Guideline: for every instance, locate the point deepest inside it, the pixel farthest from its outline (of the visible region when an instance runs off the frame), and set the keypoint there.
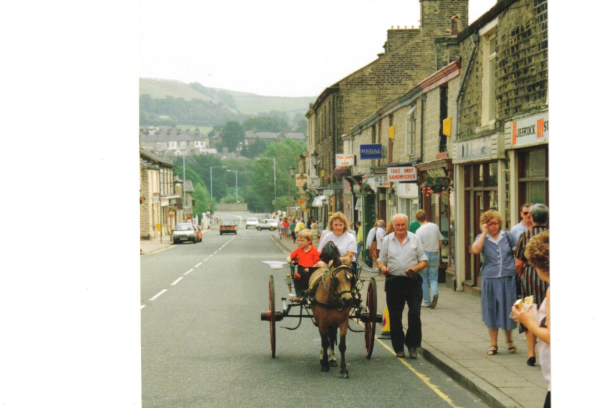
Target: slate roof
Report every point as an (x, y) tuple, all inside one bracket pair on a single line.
[(168, 134), (148, 159)]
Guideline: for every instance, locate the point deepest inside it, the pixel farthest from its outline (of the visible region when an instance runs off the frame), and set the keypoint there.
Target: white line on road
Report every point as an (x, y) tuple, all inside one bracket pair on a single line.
[(192, 270), (158, 294), (143, 306), (177, 281)]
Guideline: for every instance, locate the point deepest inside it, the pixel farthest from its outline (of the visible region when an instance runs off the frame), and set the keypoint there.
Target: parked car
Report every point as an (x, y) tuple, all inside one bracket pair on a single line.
[(267, 223), (228, 227), (185, 231), (251, 222)]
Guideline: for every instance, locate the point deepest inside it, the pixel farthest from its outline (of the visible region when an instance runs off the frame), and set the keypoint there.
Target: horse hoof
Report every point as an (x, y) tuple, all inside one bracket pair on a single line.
[(333, 363), (325, 369), (345, 375)]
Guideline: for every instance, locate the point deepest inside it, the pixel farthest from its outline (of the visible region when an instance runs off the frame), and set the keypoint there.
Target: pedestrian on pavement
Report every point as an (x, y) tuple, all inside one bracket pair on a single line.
[(525, 224), (279, 227), (415, 225), (293, 230), (380, 233), (299, 226), (432, 240), (537, 253), (351, 230), (370, 238), (498, 278), (359, 239), (314, 229), (531, 282), (285, 227), (401, 260), (341, 237)]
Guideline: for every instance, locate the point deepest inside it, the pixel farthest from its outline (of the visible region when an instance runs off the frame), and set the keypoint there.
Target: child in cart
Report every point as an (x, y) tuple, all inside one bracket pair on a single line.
[(306, 256)]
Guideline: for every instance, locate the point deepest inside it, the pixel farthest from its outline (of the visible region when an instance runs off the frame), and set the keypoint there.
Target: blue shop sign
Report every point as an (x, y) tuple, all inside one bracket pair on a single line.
[(371, 151)]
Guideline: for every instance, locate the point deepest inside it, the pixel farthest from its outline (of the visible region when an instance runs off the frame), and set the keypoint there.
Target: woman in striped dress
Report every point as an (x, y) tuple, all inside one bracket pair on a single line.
[(531, 284)]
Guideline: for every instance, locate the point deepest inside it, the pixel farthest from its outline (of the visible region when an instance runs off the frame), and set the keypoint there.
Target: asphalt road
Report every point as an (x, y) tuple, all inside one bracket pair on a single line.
[(203, 344)]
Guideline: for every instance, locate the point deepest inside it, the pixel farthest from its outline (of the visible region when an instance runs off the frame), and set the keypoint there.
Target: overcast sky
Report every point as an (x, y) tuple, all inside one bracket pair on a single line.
[(270, 47)]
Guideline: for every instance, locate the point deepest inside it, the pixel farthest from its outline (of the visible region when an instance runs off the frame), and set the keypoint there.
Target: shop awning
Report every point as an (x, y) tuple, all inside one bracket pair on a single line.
[(319, 200)]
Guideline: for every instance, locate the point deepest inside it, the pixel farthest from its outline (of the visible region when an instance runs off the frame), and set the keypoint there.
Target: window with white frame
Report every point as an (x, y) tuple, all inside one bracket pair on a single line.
[(488, 39), (411, 130)]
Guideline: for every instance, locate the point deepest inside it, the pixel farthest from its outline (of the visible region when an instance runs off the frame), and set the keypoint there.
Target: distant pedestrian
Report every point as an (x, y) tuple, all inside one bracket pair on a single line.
[(359, 239), (498, 278), (401, 260), (314, 229), (415, 225), (292, 230), (376, 245), (370, 238), (285, 227), (432, 240)]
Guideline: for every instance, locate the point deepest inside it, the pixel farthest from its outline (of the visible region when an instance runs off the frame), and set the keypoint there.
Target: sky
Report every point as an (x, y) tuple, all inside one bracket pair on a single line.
[(270, 47)]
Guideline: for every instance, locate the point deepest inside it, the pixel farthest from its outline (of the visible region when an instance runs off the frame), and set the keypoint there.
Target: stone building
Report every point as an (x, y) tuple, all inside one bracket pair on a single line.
[(158, 198), (501, 149), (409, 56), (173, 141)]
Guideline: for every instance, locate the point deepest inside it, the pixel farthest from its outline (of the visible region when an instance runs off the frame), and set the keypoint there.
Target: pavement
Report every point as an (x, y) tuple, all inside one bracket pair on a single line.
[(456, 341)]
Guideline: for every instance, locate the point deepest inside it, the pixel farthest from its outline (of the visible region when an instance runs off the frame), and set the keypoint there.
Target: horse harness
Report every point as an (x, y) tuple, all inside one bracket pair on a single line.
[(337, 297)]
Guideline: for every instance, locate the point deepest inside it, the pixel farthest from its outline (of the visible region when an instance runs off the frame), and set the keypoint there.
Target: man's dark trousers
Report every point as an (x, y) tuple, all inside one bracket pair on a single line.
[(399, 290)]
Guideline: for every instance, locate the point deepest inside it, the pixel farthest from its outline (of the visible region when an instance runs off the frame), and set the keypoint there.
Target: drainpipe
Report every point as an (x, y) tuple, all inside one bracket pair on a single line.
[(474, 44), (335, 136)]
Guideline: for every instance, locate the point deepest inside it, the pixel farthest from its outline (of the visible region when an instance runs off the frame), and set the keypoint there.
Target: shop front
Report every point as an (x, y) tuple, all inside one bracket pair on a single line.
[(481, 185), (526, 140), (437, 198)]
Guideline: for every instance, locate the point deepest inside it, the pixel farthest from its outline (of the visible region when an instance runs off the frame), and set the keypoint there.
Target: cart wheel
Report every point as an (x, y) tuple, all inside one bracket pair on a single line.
[(272, 310), (371, 319)]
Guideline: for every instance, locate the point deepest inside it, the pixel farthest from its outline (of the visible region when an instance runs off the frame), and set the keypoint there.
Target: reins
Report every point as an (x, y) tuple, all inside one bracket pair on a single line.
[(337, 297)]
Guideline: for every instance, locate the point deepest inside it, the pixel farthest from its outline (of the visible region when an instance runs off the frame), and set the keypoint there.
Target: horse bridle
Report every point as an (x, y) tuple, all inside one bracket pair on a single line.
[(337, 296)]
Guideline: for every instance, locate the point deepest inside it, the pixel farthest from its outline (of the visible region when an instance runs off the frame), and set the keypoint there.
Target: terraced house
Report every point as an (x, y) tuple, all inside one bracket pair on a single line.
[(409, 56)]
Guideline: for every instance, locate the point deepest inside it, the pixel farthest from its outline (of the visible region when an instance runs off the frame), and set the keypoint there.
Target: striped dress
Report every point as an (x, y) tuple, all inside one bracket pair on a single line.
[(531, 284)]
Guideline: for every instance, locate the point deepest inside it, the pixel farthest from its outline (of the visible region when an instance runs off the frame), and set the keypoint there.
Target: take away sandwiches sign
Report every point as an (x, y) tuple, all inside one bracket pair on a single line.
[(402, 174)]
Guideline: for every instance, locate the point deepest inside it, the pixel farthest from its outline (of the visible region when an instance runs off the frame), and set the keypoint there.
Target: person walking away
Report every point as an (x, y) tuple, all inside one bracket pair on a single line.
[(370, 238), (525, 224), (537, 253), (415, 225), (314, 229), (299, 226), (498, 278), (401, 260), (531, 283), (375, 245), (359, 239), (432, 240), (293, 230)]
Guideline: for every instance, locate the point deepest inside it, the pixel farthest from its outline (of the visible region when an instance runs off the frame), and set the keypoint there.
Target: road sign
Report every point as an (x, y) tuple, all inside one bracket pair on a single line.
[(328, 192), (313, 182), (371, 151)]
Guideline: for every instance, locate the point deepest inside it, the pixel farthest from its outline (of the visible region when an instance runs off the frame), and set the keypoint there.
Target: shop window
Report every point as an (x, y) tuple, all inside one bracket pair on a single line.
[(533, 176), (411, 130), (443, 115)]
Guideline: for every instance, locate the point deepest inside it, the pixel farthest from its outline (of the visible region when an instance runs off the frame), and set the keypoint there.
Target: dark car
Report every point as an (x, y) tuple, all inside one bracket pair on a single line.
[(186, 231), (228, 227)]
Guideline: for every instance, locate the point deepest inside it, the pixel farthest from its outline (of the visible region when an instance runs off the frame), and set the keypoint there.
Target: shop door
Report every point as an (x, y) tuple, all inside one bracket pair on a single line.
[(481, 193), (382, 205)]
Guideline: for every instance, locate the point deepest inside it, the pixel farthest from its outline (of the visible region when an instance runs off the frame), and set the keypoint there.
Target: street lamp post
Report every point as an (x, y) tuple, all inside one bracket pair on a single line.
[(233, 171), (274, 178), (213, 167)]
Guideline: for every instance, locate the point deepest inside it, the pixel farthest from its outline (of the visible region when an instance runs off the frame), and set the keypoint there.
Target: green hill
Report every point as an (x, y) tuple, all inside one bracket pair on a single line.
[(242, 102)]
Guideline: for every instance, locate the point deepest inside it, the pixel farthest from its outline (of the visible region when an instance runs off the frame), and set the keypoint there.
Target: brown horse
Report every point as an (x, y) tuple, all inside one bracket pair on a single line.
[(331, 309)]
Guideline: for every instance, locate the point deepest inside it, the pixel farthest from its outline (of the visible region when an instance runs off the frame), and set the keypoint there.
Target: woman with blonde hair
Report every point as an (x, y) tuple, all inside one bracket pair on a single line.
[(341, 237), (537, 253), (498, 278)]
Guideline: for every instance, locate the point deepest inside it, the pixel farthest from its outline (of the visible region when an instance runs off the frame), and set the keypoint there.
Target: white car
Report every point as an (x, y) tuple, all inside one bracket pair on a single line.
[(267, 223), (251, 222)]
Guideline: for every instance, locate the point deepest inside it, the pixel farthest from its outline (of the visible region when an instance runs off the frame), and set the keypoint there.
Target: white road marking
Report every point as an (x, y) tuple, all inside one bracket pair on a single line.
[(143, 306), (177, 281), (192, 270), (158, 294)]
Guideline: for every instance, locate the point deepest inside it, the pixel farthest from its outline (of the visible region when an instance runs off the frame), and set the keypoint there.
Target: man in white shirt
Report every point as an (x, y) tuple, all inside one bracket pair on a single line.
[(401, 260), (525, 224), (432, 241)]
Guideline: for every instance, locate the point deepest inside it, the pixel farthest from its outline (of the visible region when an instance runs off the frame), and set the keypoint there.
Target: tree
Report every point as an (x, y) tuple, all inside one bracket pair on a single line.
[(300, 122), (201, 198), (233, 134), (272, 122)]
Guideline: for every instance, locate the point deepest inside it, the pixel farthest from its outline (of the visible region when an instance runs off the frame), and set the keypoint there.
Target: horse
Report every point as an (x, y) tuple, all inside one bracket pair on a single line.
[(331, 306)]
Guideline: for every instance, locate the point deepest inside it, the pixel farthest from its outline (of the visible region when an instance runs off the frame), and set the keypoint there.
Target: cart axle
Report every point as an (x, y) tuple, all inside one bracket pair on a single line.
[(267, 316)]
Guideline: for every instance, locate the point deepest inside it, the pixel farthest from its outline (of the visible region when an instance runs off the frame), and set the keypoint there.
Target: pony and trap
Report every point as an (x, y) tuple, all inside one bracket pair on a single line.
[(330, 297)]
